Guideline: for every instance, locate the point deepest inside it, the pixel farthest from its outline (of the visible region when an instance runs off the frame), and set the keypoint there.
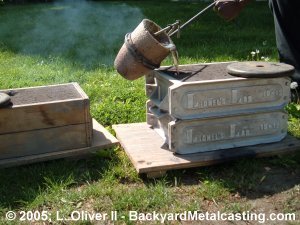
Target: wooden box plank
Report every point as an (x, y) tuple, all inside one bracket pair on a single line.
[(44, 107), (42, 116), (147, 151), (43, 140), (101, 139)]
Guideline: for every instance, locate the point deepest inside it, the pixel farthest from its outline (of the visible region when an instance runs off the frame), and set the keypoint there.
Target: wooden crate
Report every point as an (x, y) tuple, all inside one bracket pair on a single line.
[(45, 119)]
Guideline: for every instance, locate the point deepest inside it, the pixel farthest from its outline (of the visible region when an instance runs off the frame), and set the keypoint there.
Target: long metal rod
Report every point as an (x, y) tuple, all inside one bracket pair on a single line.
[(192, 19), (167, 28)]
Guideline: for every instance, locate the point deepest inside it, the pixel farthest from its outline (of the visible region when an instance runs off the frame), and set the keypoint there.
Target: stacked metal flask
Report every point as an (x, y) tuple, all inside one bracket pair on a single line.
[(212, 106)]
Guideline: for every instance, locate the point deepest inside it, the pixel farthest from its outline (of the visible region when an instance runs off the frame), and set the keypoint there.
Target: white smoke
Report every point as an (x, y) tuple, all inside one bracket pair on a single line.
[(90, 33)]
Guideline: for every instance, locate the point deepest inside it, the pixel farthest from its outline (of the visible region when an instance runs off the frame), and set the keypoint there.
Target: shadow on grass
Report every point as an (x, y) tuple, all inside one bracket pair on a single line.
[(21, 185), (251, 178)]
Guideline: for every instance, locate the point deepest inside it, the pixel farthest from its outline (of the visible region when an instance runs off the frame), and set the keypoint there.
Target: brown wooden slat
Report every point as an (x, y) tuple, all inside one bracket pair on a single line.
[(146, 150), (41, 116), (44, 107), (101, 139), (42, 141)]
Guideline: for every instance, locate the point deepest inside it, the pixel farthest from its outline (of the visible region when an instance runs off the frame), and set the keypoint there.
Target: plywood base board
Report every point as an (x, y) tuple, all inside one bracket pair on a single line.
[(149, 155), (101, 139)]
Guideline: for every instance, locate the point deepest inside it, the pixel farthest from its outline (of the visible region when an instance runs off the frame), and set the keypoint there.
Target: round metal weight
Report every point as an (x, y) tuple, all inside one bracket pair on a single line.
[(4, 99), (256, 69)]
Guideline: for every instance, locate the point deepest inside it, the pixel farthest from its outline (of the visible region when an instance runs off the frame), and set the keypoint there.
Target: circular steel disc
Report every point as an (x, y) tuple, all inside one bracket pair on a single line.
[(256, 69), (4, 99)]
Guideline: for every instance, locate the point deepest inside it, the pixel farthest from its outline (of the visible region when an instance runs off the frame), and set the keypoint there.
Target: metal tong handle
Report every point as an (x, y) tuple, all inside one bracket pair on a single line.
[(187, 22), (168, 28)]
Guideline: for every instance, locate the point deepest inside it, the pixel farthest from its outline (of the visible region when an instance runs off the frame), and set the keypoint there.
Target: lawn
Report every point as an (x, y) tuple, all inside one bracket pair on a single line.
[(42, 44)]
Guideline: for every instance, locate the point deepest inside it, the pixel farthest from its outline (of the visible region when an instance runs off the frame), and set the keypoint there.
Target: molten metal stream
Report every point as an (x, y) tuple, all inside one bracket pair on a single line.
[(174, 53), (170, 31)]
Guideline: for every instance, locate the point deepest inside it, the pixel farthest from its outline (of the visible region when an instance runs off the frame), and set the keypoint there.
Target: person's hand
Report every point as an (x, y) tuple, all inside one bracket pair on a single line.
[(229, 9)]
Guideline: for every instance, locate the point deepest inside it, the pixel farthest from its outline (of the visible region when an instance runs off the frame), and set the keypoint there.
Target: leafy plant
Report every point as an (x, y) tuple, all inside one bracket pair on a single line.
[(293, 109)]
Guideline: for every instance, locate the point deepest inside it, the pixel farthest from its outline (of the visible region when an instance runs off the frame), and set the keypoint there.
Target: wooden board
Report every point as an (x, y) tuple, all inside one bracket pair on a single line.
[(44, 140), (44, 107), (148, 154), (43, 116), (101, 139)]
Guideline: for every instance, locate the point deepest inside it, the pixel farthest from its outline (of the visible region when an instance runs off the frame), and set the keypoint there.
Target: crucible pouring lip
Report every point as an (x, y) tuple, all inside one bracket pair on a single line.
[(142, 51)]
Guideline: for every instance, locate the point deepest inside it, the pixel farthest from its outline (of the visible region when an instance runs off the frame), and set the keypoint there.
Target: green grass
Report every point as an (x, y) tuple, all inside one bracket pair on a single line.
[(46, 44)]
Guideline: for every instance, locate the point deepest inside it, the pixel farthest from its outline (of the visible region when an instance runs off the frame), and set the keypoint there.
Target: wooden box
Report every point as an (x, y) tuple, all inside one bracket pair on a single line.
[(45, 119)]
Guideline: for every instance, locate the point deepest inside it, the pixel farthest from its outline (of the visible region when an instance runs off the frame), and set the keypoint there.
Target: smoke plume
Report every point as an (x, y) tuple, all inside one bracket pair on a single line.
[(88, 33)]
